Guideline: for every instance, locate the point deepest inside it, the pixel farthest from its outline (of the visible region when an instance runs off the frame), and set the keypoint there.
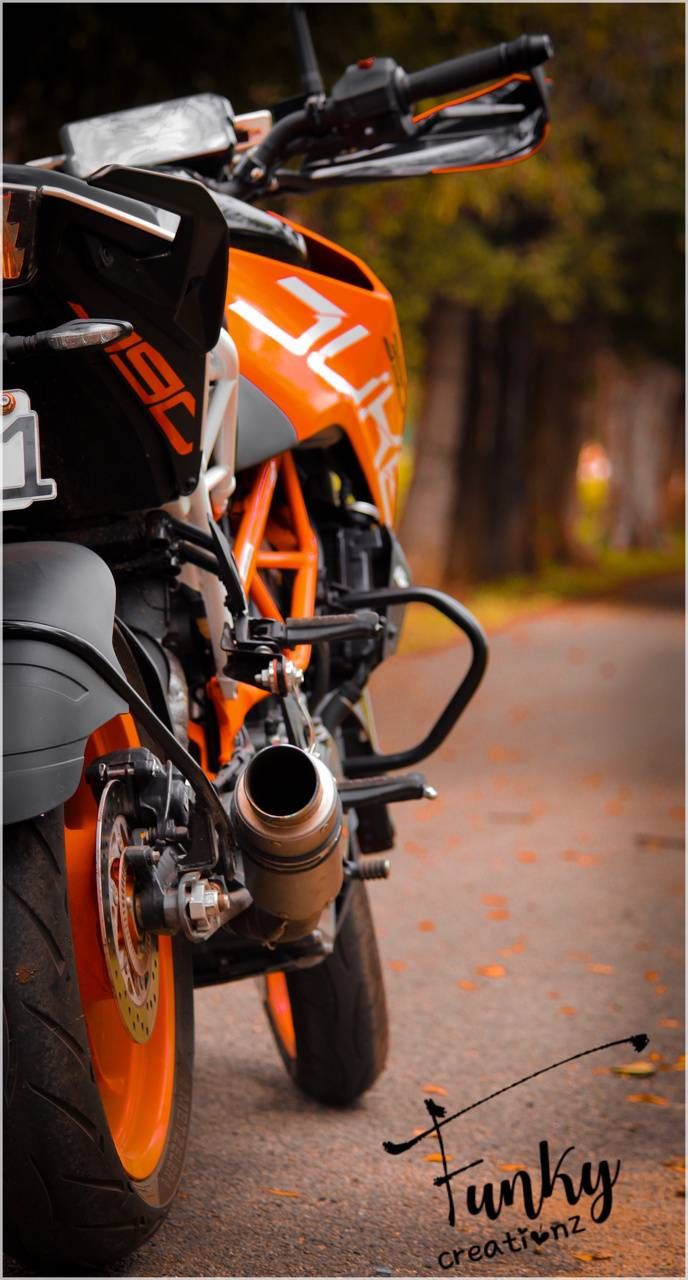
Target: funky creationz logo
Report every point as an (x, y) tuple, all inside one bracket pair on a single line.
[(593, 1185)]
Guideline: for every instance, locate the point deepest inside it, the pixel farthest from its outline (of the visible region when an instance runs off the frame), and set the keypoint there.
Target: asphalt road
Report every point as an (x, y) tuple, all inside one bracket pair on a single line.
[(535, 910)]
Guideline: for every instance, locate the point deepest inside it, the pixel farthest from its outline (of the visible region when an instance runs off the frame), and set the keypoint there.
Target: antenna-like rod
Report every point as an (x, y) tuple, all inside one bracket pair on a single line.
[(311, 79)]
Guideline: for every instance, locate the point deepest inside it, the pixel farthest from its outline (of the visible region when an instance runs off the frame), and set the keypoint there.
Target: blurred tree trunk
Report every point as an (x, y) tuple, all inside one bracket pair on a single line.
[(522, 430), (639, 411), (428, 513), (561, 413)]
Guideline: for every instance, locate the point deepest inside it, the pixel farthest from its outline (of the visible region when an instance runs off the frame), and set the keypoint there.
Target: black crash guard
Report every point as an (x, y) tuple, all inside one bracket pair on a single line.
[(53, 700)]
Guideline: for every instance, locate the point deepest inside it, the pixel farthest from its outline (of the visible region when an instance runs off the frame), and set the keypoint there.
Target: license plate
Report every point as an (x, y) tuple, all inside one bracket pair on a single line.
[(22, 482)]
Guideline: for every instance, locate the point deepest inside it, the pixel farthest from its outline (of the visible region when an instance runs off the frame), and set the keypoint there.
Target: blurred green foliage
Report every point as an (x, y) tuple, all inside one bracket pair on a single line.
[(593, 496), (590, 228), (506, 600)]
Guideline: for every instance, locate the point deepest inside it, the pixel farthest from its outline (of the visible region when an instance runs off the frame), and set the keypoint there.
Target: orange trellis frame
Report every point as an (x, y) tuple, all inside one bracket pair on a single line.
[(291, 545)]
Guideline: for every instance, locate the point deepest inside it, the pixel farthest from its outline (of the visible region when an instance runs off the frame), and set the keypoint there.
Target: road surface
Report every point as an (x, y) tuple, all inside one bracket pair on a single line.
[(535, 911)]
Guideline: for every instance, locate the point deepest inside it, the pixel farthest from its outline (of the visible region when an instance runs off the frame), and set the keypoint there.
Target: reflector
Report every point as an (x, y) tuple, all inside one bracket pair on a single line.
[(18, 223)]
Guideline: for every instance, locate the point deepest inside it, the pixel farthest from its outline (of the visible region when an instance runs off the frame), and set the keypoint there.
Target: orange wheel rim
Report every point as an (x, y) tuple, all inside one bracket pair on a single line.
[(135, 1081), (279, 1007)]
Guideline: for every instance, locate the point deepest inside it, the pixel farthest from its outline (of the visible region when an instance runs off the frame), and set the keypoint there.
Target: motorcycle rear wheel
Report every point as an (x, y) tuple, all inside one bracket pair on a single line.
[(95, 1124), (330, 1022)]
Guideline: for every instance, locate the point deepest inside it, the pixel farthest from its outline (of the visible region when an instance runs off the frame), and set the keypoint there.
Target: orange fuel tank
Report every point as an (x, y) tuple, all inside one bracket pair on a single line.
[(323, 344)]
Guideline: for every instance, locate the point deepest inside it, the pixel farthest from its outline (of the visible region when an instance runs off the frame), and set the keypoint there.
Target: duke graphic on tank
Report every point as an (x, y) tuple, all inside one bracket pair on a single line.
[(202, 422)]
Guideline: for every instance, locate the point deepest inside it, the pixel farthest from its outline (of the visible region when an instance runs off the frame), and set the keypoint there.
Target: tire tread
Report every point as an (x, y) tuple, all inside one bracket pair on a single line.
[(340, 1013), (58, 1149)]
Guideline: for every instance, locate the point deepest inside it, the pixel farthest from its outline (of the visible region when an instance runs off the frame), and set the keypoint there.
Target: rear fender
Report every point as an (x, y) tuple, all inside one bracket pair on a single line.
[(52, 700)]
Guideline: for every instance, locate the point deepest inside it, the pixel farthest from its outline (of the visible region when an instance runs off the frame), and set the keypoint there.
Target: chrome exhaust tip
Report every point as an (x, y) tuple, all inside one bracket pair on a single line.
[(287, 819)]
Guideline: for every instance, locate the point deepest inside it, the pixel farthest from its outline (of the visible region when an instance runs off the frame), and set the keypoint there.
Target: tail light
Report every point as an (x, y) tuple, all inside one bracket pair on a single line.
[(18, 235)]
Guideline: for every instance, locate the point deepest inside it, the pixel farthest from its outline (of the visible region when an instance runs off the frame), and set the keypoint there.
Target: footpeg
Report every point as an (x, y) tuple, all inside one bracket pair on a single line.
[(357, 793), (362, 625)]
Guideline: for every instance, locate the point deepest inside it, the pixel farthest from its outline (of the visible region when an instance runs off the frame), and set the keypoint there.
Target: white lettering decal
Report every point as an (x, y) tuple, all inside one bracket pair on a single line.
[(328, 318)]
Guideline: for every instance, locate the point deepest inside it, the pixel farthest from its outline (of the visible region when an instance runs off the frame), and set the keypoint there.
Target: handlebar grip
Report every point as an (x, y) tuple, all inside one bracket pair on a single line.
[(472, 68)]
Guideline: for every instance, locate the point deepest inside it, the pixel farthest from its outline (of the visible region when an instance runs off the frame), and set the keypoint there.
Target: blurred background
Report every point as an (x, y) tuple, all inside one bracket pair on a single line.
[(539, 900), (541, 304)]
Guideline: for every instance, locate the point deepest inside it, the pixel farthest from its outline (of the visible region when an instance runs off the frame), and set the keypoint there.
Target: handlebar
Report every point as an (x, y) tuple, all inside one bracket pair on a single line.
[(472, 68), (372, 99)]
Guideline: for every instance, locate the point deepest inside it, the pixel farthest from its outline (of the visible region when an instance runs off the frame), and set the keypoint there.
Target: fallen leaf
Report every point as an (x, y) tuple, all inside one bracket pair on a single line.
[(581, 859), (538, 808), (527, 855), (656, 842), (613, 808), (651, 975), (593, 1257), (675, 1162), (655, 1099), (592, 780), (426, 926), (493, 900), (491, 970), (601, 968), (568, 1010), (680, 1063), (434, 1088), (660, 989), (514, 950), (503, 755), (275, 1191), (512, 1168), (417, 850), (672, 1024), (654, 1056), (465, 984), (397, 965), (554, 995), (24, 973), (435, 1157), (634, 1069), (500, 914)]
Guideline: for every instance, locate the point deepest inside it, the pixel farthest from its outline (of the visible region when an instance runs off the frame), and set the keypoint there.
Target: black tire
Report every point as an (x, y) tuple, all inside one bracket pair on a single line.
[(68, 1200), (339, 1011)]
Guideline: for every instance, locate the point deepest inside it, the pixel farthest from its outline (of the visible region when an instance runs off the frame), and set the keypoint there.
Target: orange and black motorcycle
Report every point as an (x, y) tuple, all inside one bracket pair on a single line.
[(201, 431)]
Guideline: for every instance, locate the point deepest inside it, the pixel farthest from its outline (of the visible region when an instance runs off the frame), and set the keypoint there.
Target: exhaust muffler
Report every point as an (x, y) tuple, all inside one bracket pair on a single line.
[(287, 819)]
